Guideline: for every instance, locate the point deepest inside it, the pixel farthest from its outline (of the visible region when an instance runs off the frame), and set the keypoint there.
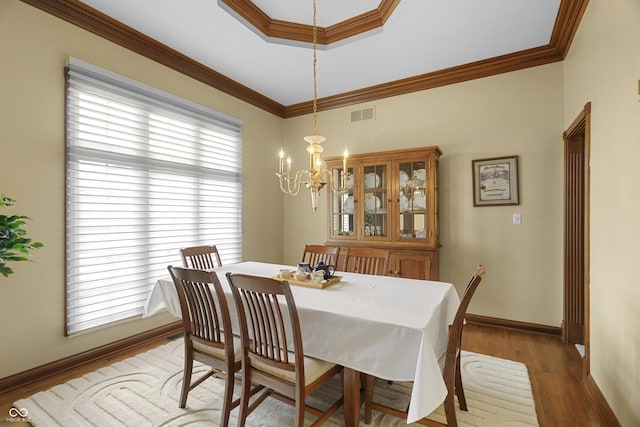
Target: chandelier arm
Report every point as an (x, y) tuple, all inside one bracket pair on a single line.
[(292, 186), (341, 186), (285, 185)]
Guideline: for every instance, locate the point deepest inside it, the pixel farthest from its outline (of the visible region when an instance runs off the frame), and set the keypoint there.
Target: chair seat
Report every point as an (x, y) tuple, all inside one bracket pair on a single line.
[(219, 352), (313, 369)]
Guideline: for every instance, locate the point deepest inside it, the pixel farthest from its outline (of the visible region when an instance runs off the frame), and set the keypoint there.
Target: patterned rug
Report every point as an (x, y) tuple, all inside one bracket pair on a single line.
[(143, 391)]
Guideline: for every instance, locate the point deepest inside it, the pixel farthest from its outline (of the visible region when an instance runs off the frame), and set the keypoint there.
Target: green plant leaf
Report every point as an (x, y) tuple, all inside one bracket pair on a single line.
[(15, 245), (5, 271), (13, 257)]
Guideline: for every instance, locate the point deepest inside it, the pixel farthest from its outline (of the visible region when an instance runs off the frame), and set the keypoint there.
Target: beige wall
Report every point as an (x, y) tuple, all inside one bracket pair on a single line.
[(603, 67), (517, 113), (521, 113), (34, 48)]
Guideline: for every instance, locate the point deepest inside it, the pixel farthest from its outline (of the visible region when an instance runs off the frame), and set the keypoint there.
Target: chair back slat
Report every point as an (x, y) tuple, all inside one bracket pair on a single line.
[(367, 261), (201, 257), (314, 254), (205, 313), (269, 337), (205, 318), (268, 319)]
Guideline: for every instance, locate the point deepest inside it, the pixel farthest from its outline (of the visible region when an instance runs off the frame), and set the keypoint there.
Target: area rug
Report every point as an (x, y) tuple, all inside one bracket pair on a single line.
[(143, 391)]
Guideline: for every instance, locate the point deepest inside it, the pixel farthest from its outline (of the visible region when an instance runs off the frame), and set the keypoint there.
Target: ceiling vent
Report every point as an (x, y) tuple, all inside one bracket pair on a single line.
[(365, 114)]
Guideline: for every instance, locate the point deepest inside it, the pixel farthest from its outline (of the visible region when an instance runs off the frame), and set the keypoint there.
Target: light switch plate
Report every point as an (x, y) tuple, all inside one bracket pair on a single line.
[(517, 218)]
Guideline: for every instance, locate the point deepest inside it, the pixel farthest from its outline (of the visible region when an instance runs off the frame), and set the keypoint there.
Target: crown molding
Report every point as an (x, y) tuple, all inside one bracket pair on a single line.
[(275, 28), (569, 15), (96, 22), (475, 70)]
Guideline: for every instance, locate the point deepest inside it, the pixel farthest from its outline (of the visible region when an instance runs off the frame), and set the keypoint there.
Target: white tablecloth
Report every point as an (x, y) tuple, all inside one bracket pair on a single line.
[(393, 328)]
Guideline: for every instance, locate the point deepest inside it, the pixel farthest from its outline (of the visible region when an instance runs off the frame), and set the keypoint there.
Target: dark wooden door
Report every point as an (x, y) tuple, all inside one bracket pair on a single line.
[(574, 240), (575, 326)]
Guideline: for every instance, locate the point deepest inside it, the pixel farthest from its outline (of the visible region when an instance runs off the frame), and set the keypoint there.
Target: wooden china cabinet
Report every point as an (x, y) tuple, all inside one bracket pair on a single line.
[(391, 203)]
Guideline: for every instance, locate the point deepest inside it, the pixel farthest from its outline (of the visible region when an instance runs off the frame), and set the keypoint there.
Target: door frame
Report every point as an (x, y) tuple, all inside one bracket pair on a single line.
[(581, 127)]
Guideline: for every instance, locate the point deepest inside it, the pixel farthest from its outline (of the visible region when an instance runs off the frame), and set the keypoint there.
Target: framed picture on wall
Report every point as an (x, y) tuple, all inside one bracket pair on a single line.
[(495, 181)]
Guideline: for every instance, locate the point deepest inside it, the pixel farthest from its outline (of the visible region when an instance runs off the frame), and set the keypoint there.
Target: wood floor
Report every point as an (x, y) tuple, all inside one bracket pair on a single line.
[(554, 369)]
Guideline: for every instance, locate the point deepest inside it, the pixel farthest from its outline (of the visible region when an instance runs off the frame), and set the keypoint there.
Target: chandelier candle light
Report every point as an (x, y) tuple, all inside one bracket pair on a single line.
[(315, 177)]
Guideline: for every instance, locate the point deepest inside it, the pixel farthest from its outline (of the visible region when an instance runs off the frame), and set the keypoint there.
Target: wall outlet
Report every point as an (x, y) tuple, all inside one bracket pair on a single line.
[(517, 218)]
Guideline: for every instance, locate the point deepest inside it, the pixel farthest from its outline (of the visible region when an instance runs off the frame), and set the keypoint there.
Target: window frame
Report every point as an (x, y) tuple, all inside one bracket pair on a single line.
[(80, 74)]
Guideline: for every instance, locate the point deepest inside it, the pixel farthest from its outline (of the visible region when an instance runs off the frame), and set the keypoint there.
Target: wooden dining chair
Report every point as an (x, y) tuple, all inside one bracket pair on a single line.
[(313, 254), (273, 356), (208, 336), (367, 261), (201, 257), (451, 373)]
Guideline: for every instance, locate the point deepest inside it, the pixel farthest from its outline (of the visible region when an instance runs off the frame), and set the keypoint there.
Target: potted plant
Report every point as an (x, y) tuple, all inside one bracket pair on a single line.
[(14, 243)]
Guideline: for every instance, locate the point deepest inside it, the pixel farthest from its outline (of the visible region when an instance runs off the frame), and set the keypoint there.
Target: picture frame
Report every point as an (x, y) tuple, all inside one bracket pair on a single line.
[(495, 181)]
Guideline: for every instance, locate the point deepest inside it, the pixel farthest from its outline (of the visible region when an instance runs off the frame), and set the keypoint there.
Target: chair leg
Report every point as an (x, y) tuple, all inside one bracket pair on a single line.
[(300, 405), (244, 397), (228, 397), (449, 401), (450, 410), (186, 377), (369, 382), (459, 389)]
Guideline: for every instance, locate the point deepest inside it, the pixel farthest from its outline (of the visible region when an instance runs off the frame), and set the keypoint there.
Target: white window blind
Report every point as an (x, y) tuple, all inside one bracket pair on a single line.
[(147, 174)]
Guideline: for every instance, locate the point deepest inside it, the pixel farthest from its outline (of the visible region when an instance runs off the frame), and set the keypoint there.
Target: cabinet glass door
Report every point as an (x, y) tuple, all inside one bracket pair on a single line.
[(342, 216), (375, 201), (413, 203)]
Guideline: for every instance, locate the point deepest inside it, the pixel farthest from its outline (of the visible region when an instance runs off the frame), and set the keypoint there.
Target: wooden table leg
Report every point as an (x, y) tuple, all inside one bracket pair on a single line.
[(351, 390)]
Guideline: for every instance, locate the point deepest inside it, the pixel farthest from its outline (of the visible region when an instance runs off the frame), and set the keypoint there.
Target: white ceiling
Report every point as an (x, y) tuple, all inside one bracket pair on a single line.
[(419, 37)]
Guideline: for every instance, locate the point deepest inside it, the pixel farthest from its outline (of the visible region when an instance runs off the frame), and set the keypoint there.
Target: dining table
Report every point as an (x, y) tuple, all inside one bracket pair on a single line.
[(390, 327)]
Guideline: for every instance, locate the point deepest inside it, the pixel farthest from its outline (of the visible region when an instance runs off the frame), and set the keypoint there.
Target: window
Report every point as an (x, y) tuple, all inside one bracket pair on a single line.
[(147, 174)]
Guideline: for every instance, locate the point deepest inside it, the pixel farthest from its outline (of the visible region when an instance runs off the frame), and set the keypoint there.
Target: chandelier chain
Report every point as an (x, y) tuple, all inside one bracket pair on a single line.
[(315, 67), (316, 177)]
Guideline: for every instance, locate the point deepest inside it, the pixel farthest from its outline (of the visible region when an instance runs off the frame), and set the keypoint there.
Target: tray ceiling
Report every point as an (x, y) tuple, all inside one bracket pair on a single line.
[(259, 50)]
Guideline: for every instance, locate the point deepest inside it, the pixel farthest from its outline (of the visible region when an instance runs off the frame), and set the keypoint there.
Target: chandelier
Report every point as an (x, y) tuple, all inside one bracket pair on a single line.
[(314, 178)]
